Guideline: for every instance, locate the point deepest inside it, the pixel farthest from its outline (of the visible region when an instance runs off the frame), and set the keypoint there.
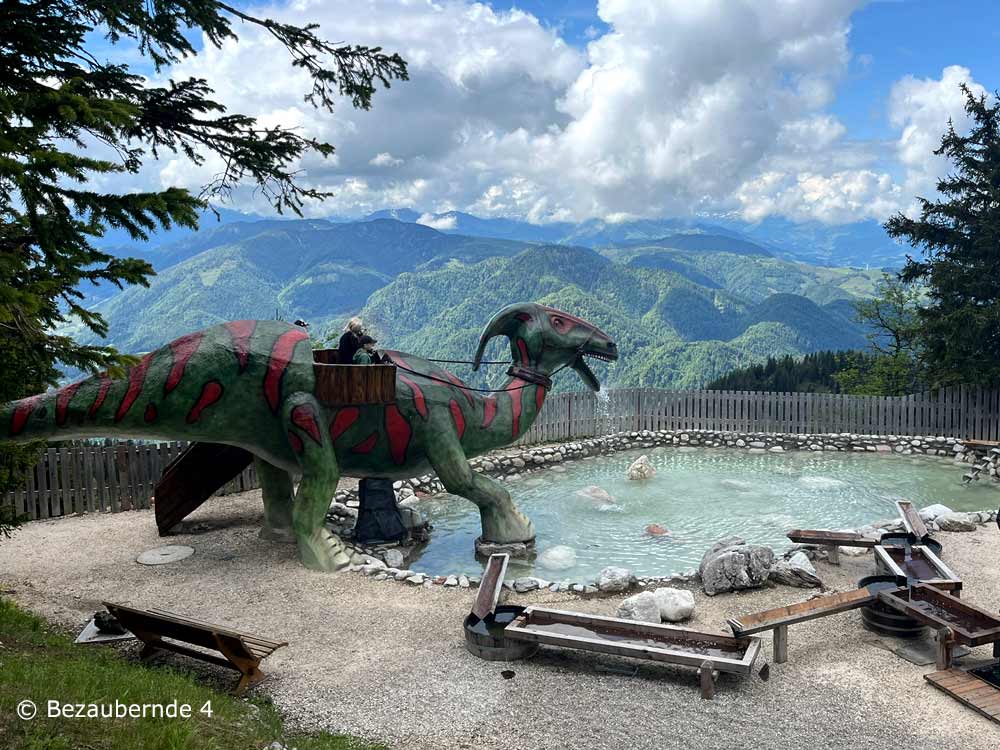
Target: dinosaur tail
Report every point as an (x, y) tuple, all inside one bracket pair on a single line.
[(93, 407)]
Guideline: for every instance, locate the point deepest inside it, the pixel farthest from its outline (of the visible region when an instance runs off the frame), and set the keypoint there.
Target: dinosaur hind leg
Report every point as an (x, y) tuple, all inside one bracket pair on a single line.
[(319, 548), (277, 491), (501, 520)]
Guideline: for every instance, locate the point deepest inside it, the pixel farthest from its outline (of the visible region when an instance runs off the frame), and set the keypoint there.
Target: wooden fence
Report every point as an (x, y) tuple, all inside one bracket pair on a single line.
[(111, 476), (82, 477), (961, 412)]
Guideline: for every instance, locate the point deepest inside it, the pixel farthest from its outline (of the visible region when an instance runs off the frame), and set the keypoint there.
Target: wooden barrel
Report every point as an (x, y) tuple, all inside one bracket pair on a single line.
[(485, 639), (900, 539), (883, 619)]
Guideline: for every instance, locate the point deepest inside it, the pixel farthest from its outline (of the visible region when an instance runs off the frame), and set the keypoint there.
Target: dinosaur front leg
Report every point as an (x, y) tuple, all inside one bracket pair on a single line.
[(319, 548), (277, 491), (501, 520)]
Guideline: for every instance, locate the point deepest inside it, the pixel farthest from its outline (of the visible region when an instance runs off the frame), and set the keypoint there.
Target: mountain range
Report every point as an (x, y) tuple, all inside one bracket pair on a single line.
[(685, 305)]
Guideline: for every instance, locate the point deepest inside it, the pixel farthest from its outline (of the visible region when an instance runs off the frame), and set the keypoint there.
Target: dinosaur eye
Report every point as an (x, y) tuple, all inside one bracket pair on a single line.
[(560, 324)]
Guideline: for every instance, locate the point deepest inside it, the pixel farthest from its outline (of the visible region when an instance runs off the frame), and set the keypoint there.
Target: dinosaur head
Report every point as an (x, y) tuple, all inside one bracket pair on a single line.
[(543, 339)]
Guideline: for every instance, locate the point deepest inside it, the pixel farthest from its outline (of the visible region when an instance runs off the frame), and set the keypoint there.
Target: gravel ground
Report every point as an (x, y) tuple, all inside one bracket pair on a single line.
[(386, 661)]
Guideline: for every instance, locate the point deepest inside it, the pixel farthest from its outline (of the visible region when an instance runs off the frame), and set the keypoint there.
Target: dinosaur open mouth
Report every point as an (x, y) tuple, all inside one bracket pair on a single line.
[(584, 371)]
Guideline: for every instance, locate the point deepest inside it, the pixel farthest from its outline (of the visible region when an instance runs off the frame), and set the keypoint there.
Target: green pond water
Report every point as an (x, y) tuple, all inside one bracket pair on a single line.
[(700, 495)]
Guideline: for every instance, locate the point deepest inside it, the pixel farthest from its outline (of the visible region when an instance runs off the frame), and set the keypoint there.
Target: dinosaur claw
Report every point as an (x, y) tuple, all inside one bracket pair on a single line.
[(323, 550)]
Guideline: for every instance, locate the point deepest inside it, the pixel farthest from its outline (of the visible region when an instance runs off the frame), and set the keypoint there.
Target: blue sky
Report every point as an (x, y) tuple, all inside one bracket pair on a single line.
[(551, 110)]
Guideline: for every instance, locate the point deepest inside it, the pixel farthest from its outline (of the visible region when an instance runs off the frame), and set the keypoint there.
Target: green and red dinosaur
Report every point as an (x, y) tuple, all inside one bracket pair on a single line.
[(251, 384)]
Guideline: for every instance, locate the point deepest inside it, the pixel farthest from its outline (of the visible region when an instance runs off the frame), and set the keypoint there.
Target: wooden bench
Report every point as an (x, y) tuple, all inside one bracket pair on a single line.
[(832, 541), (240, 651)]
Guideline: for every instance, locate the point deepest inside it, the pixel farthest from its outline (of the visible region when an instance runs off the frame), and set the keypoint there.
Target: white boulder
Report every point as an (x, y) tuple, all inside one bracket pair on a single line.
[(640, 469), (931, 512), (675, 604), (641, 607), (956, 522), (614, 579)]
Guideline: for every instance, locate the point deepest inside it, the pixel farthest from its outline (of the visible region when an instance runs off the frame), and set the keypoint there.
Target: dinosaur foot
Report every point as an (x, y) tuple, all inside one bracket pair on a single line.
[(506, 525), (323, 550), (281, 536)]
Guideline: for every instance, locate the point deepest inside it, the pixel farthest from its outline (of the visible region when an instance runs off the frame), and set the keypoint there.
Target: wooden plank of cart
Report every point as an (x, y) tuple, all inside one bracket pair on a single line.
[(779, 618), (955, 620), (709, 652)]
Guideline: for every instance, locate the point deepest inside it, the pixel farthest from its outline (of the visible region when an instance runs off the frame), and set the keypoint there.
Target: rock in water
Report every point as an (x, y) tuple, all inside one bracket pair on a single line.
[(654, 529), (675, 604), (795, 571), (955, 522), (641, 468), (731, 565), (615, 579), (560, 557), (641, 607), (598, 495)]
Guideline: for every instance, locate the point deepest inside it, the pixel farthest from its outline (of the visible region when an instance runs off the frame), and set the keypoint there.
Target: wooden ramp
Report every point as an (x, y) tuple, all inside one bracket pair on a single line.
[(911, 519), (969, 690), (193, 477), (779, 618)]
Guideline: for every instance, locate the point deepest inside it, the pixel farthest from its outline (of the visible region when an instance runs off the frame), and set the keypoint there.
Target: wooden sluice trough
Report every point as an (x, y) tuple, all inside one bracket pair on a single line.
[(954, 620), (779, 618), (917, 562), (504, 633), (709, 652)]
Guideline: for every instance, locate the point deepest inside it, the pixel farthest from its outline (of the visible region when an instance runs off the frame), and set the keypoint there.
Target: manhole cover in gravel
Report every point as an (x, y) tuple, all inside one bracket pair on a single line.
[(163, 555)]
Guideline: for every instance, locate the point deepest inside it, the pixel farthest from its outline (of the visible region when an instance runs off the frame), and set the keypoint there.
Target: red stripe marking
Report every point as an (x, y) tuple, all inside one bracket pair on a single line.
[(182, 349), (539, 398), (63, 398), (210, 393), (136, 378), (102, 393), (523, 317), (515, 390), (489, 410), (277, 364), (523, 349), (418, 396), (461, 385), (241, 331), (458, 417), (398, 431), (296, 442), (22, 411), (366, 445), (151, 413), (304, 418), (344, 419)]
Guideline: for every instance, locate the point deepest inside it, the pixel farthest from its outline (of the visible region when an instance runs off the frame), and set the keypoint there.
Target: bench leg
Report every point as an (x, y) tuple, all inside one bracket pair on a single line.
[(833, 554), (945, 648), (707, 681), (780, 644), (248, 680), (996, 649)]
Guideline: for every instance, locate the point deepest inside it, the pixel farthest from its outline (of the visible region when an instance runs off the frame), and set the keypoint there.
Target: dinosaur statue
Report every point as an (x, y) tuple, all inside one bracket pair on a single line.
[(251, 384)]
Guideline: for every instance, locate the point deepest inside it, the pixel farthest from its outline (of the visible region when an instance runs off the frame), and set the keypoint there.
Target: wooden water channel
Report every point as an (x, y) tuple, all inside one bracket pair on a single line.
[(109, 476)]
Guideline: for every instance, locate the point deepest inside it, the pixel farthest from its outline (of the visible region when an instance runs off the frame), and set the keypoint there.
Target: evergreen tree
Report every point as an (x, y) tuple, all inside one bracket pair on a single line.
[(67, 116), (959, 234)]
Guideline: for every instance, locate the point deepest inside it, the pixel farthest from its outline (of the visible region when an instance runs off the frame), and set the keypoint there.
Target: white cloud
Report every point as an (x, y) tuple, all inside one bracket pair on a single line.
[(920, 109), (680, 107), (440, 222), (385, 159)]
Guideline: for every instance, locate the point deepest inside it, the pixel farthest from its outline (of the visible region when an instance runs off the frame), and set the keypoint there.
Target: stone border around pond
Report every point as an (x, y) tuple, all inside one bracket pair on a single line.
[(386, 562)]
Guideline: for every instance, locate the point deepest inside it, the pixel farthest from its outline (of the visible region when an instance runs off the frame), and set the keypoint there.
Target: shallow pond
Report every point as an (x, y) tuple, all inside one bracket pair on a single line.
[(699, 495)]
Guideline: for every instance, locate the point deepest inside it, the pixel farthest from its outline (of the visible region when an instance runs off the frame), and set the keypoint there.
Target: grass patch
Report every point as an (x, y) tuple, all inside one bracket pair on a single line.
[(40, 664)]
